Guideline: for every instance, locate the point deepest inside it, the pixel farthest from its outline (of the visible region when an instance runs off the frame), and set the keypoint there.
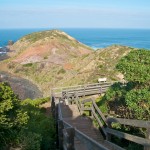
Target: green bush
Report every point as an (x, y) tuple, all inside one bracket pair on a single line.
[(28, 65), (131, 100), (28, 141), (61, 71), (35, 102), (135, 66), (23, 124)]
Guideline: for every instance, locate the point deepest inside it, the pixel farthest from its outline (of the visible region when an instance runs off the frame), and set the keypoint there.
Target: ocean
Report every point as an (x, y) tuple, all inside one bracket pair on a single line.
[(95, 38)]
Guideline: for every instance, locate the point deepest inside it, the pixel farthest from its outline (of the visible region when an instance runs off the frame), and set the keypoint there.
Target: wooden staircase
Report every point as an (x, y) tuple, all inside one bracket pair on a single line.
[(71, 115), (77, 132)]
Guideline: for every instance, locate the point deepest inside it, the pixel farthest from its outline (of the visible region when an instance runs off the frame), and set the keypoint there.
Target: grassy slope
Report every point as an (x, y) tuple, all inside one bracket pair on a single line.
[(80, 64)]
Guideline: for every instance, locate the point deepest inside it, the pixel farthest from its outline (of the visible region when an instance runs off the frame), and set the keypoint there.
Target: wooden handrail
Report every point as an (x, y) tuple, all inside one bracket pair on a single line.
[(130, 122), (98, 110), (104, 123), (78, 104), (91, 144), (93, 85), (129, 137), (86, 100), (107, 121), (87, 88)]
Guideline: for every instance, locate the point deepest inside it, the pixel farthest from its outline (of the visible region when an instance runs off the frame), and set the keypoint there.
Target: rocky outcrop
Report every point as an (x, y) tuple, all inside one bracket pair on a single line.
[(22, 87)]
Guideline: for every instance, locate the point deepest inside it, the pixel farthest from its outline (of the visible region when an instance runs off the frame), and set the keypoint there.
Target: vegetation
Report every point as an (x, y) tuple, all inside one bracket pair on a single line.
[(131, 99), (28, 65), (57, 59), (61, 71), (135, 66), (24, 125)]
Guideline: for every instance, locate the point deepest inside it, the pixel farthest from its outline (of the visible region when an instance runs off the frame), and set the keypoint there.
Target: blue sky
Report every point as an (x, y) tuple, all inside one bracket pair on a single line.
[(75, 14)]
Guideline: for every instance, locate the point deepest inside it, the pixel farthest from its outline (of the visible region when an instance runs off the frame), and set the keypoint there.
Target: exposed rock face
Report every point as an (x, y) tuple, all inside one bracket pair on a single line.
[(22, 87)]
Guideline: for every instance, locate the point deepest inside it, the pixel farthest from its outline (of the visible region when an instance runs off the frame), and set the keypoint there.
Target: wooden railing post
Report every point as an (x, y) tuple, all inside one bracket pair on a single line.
[(60, 134), (108, 137), (84, 91), (53, 106), (92, 110), (147, 137), (68, 136)]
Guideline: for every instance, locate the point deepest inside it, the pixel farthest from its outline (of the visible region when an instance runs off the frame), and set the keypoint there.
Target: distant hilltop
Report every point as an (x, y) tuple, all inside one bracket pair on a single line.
[(53, 58), (52, 46)]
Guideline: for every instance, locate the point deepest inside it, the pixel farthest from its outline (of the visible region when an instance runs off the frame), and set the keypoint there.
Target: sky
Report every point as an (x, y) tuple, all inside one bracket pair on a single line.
[(75, 14)]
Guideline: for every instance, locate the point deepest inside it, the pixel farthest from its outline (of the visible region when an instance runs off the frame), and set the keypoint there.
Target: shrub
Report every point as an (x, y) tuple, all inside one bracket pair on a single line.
[(61, 71), (28, 65), (23, 124)]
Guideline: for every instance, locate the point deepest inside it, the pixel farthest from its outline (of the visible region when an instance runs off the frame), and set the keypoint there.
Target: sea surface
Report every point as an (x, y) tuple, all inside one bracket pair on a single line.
[(95, 38)]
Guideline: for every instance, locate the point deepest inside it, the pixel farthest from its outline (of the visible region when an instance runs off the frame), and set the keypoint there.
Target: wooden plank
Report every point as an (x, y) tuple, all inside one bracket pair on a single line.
[(60, 134), (78, 105), (131, 122), (87, 88), (82, 91), (129, 137), (86, 100), (68, 138), (89, 142), (99, 122), (113, 146), (147, 137), (87, 93), (99, 112), (84, 109), (86, 85)]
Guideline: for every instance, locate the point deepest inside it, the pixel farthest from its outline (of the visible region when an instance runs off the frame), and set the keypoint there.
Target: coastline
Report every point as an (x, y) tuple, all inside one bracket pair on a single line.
[(96, 38)]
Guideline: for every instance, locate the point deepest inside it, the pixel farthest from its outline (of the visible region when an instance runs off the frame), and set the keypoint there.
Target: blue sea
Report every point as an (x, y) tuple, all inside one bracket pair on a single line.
[(95, 38)]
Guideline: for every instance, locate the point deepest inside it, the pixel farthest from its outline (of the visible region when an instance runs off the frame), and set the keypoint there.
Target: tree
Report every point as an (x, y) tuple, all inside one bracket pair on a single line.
[(12, 118)]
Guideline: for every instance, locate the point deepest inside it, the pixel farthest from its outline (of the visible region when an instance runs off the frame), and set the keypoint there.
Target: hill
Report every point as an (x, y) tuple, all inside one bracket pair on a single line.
[(52, 46), (53, 58)]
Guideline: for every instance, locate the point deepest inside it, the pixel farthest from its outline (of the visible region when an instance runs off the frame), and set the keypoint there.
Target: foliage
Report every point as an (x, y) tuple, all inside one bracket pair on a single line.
[(24, 125), (10, 114), (132, 99), (28, 141), (135, 66), (28, 65), (138, 100), (35, 102), (114, 96), (40, 124), (134, 96), (61, 71)]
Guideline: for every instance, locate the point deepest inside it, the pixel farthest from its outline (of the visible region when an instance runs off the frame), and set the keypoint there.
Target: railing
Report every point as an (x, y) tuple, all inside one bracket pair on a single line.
[(86, 90), (105, 125), (136, 123), (99, 87), (67, 133)]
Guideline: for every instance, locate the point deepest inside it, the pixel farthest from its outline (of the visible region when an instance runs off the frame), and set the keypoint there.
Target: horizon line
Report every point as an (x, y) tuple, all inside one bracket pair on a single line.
[(51, 28)]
